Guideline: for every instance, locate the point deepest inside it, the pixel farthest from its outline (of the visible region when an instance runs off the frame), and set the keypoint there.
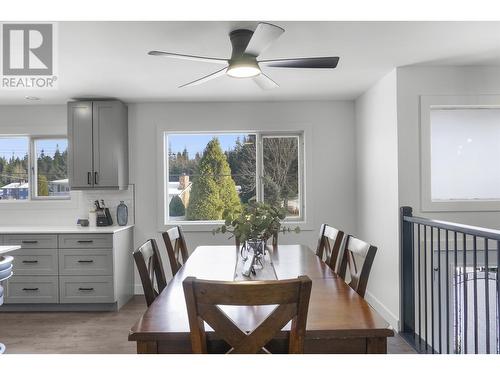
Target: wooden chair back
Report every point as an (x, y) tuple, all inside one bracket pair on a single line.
[(356, 252), (176, 248), (148, 262), (203, 298), (329, 243)]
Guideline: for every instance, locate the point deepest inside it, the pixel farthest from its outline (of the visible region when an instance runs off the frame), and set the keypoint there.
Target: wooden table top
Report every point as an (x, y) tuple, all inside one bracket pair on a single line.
[(335, 310)]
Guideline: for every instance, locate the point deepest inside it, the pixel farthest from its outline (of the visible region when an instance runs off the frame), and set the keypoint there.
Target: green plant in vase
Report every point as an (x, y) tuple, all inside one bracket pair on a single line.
[(256, 222)]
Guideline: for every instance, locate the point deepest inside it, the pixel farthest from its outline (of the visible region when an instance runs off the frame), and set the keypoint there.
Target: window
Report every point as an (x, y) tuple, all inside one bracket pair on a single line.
[(14, 168), (465, 154), (50, 168), (281, 172), (207, 173), (45, 158), (460, 150)]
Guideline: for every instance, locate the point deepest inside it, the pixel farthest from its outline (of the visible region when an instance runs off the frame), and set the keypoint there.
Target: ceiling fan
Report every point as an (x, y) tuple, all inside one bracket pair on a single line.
[(247, 45)]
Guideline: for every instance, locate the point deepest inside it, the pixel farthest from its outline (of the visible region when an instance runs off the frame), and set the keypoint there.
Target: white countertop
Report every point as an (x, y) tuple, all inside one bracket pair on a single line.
[(6, 249), (61, 229)]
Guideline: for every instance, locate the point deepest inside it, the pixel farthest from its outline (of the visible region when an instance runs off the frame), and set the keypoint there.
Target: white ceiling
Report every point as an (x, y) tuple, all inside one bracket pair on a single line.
[(109, 59)]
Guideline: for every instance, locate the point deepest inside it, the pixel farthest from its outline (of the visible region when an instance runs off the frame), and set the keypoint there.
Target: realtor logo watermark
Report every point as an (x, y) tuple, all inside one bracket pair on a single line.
[(28, 56)]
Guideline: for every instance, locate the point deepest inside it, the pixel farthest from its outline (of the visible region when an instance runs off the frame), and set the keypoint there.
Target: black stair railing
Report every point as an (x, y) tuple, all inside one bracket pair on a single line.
[(450, 286)]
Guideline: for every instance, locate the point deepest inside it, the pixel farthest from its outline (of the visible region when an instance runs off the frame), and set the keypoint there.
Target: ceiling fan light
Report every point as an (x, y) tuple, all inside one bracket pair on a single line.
[(243, 71)]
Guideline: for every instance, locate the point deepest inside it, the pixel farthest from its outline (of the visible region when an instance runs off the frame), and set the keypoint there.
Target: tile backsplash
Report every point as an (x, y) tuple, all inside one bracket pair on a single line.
[(65, 212), (111, 199)]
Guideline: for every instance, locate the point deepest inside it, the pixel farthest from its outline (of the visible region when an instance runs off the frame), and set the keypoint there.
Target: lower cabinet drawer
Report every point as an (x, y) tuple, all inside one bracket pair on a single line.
[(35, 262), (32, 289), (86, 289), (32, 241), (85, 262)]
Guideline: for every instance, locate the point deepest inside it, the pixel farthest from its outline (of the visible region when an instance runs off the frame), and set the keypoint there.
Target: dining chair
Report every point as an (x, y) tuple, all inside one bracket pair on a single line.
[(176, 248), (203, 298), (358, 256), (148, 262), (329, 243)]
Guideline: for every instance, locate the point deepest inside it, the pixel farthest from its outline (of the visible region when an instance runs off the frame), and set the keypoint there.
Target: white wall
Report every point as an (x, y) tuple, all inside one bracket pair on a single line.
[(50, 120), (329, 152), (447, 80), (377, 191)]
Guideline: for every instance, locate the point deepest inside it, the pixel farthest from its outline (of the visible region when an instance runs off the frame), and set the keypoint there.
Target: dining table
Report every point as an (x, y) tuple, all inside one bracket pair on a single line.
[(338, 320)]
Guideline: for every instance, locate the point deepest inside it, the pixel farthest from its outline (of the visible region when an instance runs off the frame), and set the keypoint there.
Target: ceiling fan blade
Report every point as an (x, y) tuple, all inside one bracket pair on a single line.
[(188, 57), (264, 82), (307, 62), (207, 78), (263, 36)]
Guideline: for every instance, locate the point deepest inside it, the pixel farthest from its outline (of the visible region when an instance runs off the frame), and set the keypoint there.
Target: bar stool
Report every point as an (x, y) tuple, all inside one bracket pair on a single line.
[(5, 273)]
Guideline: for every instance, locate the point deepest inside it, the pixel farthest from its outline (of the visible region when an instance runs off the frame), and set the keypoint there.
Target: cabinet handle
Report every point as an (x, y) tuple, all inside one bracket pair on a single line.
[(95, 178), (30, 289), (85, 241), (88, 178), (29, 241), (30, 261), (86, 261), (86, 289)]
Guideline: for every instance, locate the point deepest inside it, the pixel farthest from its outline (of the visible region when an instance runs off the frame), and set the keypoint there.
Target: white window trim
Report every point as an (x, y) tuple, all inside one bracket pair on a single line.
[(427, 103), (34, 200), (304, 131)]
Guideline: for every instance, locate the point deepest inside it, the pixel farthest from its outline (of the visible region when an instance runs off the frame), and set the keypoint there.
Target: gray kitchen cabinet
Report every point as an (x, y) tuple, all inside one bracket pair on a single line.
[(32, 290), (98, 145), (86, 289), (87, 271), (35, 261), (80, 152)]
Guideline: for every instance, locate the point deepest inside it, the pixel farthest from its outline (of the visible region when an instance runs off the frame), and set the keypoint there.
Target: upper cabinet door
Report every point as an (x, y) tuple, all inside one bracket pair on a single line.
[(80, 145), (110, 138)]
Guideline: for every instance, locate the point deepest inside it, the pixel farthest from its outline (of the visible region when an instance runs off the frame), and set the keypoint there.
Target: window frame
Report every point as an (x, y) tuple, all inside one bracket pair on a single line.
[(259, 135), (427, 104), (32, 197)]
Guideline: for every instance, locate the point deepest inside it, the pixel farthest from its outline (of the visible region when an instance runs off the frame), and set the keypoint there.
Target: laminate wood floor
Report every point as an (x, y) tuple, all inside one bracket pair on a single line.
[(89, 332)]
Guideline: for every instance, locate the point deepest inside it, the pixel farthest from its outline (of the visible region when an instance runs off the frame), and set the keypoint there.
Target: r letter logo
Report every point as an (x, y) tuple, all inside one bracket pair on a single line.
[(28, 56)]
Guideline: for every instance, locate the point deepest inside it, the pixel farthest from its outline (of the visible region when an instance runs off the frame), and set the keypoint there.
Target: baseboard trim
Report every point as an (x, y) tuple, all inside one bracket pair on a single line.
[(382, 310), (59, 307)]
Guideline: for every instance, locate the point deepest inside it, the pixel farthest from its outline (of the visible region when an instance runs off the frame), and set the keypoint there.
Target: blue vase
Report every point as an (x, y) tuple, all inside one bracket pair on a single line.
[(122, 214)]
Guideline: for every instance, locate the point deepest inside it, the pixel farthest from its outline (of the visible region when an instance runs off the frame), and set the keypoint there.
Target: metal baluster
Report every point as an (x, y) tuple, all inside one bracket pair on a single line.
[(419, 293), (425, 288), (487, 295), (413, 270), (474, 264), (455, 248), (432, 289), (498, 296), (464, 283), (447, 296), (439, 288)]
